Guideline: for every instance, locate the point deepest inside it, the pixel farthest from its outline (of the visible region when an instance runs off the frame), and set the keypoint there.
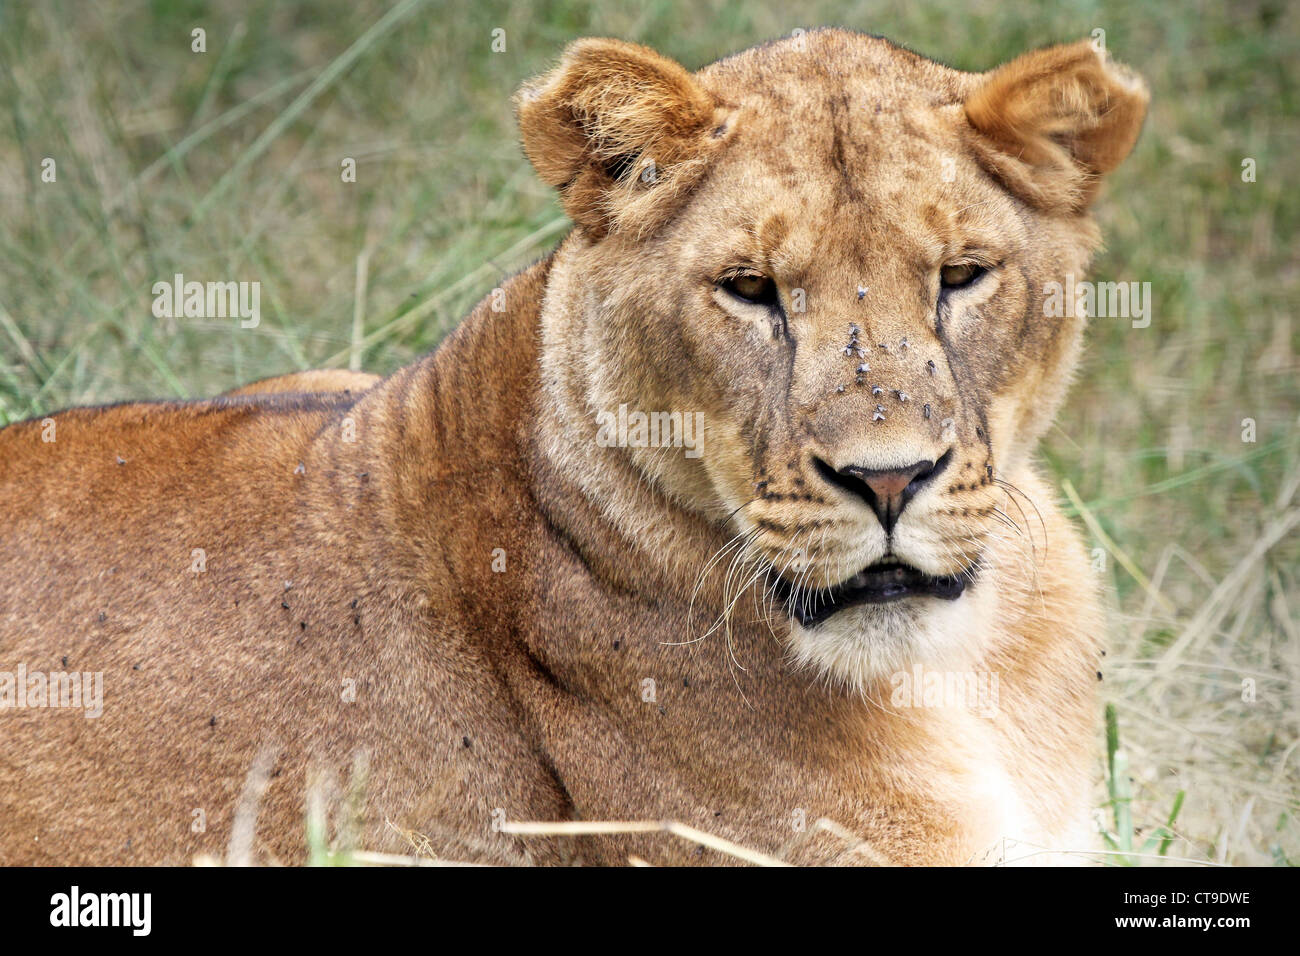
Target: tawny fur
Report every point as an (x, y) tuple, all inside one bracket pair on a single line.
[(322, 380), (351, 529)]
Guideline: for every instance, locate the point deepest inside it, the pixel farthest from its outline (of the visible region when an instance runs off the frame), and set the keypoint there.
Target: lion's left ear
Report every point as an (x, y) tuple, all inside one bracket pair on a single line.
[(1051, 123), (620, 131)]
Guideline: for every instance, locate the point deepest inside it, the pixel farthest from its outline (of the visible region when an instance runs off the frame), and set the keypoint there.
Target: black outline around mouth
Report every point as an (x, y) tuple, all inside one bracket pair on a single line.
[(880, 583)]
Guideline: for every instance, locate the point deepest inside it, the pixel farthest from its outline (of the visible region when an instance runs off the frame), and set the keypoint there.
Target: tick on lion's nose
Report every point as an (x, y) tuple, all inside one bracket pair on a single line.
[(886, 490)]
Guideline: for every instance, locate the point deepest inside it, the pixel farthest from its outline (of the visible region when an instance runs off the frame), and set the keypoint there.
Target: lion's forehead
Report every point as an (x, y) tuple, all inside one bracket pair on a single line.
[(866, 155), (844, 125), (868, 178), (885, 201), (871, 74)]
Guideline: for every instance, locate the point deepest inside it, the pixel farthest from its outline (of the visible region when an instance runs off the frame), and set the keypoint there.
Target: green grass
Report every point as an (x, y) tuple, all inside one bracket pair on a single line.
[(226, 165)]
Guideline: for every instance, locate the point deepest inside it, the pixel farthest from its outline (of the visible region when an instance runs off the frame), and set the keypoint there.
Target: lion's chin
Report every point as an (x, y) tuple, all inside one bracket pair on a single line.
[(860, 645)]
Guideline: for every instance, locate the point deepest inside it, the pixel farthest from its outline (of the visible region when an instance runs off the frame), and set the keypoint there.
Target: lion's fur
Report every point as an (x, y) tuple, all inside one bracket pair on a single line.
[(317, 380), (351, 598)]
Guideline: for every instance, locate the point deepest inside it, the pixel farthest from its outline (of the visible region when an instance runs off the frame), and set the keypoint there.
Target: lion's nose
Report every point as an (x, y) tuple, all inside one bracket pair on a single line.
[(886, 490)]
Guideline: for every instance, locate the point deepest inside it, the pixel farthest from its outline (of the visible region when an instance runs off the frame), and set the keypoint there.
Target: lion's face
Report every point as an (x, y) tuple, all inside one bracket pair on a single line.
[(840, 259)]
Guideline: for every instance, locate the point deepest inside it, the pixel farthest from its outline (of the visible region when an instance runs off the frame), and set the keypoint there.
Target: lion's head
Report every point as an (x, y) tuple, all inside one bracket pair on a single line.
[(837, 250)]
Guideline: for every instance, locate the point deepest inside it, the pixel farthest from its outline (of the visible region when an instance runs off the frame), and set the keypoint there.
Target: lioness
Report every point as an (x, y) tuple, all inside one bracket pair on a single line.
[(723, 513)]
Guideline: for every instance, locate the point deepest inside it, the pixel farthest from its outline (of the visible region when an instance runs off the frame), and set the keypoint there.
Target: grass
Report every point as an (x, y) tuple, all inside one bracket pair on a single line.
[(226, 164)]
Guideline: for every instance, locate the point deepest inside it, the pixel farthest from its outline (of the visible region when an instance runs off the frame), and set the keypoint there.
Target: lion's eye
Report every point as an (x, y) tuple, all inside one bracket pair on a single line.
[(751, 287), (960, 274)]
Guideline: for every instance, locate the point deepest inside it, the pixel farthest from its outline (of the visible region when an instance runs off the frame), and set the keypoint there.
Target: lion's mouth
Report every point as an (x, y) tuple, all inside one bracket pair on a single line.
[(877, 584)]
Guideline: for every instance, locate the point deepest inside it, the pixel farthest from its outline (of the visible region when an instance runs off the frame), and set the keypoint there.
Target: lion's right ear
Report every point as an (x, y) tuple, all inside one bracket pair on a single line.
[(621, 132), (1051, 123)]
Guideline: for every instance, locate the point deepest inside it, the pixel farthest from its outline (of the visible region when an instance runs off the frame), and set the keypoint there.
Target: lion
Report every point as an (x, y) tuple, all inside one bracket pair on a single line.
[(724, 513)]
